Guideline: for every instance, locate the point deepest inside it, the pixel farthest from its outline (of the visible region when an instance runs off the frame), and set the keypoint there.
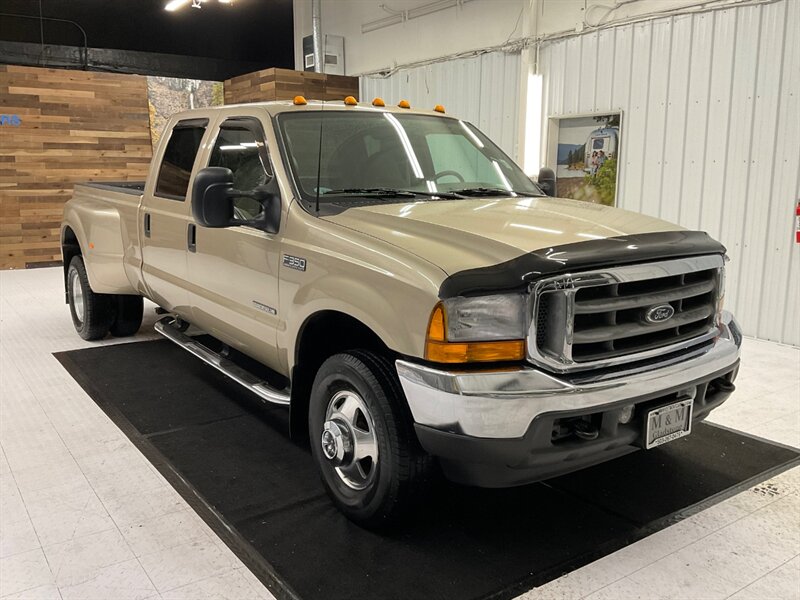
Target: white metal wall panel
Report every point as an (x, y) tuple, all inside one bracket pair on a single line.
[(483, 90), (782, 259), (695, 136), (710, 132), (604, 81), (675, 113)]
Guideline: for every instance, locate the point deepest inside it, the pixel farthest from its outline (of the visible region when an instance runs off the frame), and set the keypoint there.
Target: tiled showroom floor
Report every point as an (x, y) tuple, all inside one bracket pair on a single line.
[(84, 515)]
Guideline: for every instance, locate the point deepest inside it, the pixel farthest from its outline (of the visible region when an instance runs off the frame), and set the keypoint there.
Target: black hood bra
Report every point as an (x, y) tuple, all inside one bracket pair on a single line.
[(517, 274)]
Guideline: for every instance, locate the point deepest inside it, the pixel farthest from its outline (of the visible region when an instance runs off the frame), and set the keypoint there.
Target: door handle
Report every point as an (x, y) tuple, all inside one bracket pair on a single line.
[(191, 237), (146, 224)]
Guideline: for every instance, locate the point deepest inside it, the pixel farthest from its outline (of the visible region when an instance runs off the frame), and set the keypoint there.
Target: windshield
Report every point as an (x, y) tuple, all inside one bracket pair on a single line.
[(369, 152)]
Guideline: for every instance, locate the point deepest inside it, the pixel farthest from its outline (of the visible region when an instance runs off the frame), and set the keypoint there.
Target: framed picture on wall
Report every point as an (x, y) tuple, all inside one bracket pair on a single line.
[(583, 151)]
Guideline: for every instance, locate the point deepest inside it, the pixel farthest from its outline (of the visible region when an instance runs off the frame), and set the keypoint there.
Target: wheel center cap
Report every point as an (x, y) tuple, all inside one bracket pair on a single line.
[(336, 442)]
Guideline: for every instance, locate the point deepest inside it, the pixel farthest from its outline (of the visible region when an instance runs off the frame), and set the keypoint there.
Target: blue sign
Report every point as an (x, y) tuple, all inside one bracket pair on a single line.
[(10, 120)]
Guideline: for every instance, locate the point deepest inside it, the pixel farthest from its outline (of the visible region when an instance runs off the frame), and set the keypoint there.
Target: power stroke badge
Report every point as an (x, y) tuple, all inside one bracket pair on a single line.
[(264, 307), (294, 262)]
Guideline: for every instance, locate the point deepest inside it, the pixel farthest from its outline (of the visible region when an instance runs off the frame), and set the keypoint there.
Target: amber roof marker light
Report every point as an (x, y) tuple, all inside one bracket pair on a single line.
[(378, 102), (404, 104), (299, 101), (350, 101), (439, 108)]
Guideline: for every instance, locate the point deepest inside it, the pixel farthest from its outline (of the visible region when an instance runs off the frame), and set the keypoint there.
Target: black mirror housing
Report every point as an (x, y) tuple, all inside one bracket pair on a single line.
[(547, 181), (212, 202), (213, 196)]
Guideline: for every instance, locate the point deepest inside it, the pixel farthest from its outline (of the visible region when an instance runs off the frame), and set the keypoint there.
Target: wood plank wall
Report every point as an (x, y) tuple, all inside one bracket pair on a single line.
[(73, 126), (285, 84)]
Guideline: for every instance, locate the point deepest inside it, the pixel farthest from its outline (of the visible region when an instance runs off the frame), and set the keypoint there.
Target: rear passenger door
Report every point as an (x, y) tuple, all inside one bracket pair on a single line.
[(166, 215)]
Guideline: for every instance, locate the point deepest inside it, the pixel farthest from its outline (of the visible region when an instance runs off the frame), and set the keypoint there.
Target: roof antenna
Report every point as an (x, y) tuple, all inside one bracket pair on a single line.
[(319, 155)]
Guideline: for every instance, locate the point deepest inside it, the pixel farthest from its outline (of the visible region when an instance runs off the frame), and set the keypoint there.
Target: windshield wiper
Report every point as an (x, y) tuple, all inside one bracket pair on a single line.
[(381, 192), (486, 191), (370, 192)]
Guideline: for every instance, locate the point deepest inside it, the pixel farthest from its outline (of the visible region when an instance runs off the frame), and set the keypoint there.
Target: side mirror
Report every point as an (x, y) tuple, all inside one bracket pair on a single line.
[(269, 196), (212, 202), (547, 181), (213, 196)]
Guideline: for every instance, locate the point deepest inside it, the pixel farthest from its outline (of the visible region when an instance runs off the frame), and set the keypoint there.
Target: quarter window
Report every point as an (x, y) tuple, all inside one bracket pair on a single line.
[(176, 166)]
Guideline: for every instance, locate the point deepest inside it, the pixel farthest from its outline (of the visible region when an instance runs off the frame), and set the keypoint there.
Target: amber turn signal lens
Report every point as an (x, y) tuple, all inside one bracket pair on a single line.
[(438, 349), (436, 325), (469, 352)]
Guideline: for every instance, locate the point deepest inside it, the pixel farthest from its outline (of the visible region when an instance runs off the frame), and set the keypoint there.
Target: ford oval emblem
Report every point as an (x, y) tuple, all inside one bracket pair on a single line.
[(659, 313)]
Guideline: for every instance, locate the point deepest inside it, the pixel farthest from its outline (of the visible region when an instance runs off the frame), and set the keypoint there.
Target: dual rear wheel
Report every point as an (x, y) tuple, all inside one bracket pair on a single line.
[(96, 315)]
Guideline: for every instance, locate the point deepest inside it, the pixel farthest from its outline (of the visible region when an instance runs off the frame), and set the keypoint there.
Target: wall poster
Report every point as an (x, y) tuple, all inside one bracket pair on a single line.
[(584, 153)]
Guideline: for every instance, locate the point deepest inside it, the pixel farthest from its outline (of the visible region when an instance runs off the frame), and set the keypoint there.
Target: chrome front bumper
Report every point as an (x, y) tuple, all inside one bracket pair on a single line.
[(503, 404)]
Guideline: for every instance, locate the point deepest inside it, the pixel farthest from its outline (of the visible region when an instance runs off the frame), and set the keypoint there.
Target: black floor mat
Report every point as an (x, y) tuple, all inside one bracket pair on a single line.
[(232, 460)]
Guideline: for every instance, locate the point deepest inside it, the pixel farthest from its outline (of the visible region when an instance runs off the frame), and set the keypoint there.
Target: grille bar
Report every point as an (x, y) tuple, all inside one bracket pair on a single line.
[(623, 303), (605, 317), (615, 332)]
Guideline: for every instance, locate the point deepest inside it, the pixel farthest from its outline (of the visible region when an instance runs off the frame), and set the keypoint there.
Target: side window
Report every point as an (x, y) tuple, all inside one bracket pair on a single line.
[(176, 166), (240, 147)]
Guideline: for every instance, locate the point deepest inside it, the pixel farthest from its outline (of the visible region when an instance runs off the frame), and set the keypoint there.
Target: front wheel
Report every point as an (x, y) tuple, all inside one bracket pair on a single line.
[(92, 314), (363, 441)]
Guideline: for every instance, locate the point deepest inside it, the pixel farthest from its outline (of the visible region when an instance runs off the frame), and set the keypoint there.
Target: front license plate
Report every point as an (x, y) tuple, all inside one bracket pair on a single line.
[(668, 423)]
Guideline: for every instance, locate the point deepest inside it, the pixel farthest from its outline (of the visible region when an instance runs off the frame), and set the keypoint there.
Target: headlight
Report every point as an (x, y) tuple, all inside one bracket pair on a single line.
[(480, 329), (499, 317)]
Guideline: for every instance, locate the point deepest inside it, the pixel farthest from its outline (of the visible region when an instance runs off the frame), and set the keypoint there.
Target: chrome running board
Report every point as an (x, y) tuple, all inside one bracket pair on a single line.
[(227, 367)]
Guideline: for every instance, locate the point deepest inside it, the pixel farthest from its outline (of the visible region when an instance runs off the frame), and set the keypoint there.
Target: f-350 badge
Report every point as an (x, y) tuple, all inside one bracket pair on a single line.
[(294, 262)]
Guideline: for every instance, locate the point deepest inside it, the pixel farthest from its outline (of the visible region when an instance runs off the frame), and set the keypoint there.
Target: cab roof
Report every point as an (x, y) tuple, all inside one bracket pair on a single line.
[(275, 107)]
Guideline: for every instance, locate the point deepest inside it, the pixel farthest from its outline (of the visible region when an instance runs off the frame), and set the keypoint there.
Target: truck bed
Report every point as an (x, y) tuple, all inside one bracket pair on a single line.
[(106, 218), (126, 187)]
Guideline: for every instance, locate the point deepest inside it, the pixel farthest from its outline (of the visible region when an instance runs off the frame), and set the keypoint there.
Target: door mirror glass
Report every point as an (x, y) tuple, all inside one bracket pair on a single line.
[(259, 207)]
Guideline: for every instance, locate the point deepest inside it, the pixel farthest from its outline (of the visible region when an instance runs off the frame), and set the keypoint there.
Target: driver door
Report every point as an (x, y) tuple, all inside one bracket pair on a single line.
[(235, 269)]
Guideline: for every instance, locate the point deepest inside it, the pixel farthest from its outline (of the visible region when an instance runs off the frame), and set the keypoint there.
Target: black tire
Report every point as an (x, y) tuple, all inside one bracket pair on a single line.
[(402, 469), (92, 314), (128, 315)]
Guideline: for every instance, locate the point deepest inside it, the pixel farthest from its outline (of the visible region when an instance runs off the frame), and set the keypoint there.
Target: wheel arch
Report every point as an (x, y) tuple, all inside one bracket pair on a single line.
[(323, 334), (70, 248)]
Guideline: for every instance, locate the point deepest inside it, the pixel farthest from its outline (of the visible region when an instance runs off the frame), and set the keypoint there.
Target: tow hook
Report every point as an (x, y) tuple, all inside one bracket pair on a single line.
[(723, 385), (585, 430)]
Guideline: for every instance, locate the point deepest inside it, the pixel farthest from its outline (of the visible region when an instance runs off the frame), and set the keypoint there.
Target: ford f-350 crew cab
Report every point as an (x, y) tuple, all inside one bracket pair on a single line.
[(413, 297)]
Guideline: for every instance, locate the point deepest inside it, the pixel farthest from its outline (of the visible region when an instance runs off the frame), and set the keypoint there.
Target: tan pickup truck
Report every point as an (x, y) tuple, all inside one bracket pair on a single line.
[(418, 303)]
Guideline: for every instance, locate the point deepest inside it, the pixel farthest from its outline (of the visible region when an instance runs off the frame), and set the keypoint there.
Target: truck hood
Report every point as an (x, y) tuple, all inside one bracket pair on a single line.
[(466, 234)]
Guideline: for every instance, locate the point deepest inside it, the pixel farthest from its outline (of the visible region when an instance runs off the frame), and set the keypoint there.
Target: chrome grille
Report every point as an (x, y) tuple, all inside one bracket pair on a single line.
[(604, 317)]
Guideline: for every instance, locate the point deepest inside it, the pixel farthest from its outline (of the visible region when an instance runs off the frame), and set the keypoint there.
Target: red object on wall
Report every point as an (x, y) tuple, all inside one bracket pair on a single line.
[(797, 223)]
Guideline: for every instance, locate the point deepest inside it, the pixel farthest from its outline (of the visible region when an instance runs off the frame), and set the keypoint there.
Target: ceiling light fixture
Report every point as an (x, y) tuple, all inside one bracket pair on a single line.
[(174, 5)]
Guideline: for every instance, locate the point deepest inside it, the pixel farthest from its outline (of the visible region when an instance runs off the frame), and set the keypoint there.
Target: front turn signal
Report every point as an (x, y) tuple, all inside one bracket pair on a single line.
[(438, 349)]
